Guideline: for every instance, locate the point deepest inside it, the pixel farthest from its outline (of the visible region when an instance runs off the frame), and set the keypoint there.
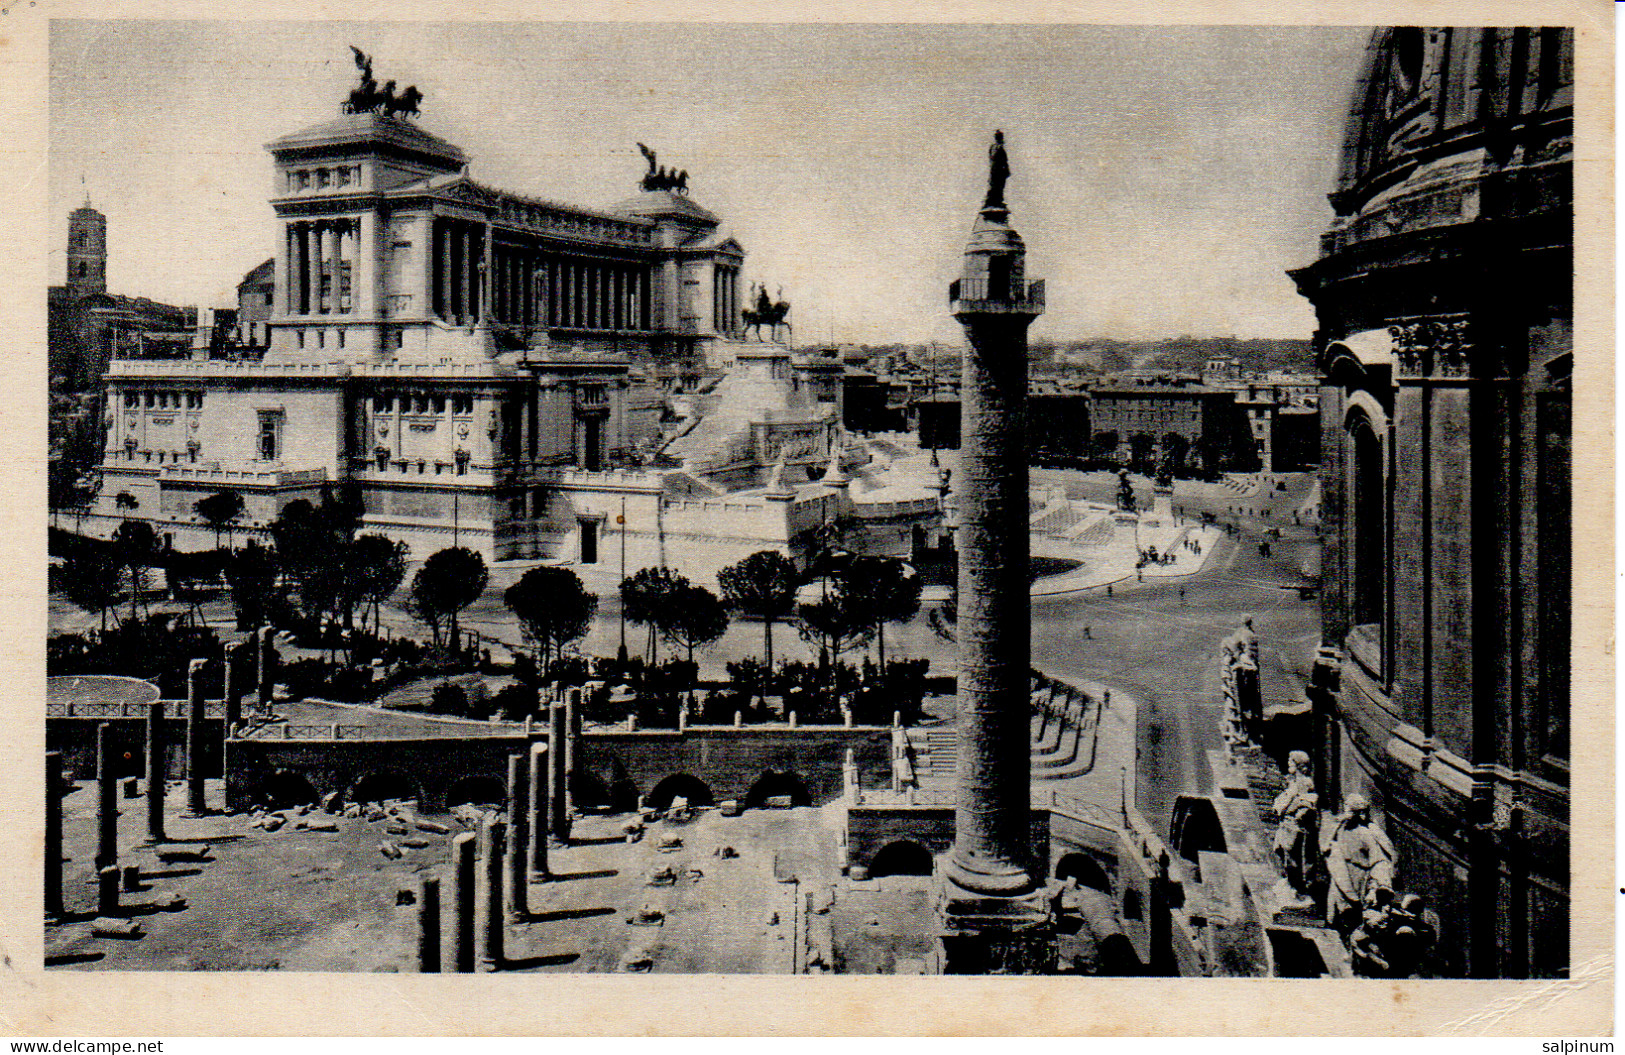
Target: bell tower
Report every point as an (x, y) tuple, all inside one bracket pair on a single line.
[(87, 251)]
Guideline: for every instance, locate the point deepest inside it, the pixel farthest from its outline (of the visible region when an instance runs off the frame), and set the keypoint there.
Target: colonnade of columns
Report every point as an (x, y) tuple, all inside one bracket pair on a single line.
[(725, 298), (457, 256), (556, 292), (321, 256)]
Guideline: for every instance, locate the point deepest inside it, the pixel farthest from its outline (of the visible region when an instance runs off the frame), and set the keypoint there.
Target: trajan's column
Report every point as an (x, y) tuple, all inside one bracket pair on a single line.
[(994, 913)]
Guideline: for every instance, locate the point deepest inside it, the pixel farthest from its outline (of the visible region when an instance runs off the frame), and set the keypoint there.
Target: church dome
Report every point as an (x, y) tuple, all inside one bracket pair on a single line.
[(1449, 125)]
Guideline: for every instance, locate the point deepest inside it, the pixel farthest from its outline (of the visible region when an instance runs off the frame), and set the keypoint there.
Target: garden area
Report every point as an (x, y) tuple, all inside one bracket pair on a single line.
[(321, 585)]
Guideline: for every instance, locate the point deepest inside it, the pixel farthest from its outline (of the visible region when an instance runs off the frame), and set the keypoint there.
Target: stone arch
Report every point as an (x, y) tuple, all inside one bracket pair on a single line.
[(772, 784), (1085, 869), (385, 782), (1195, 827), (288, 787), (476, 788), (1367, 505), (589, 791), (695, 790), (901, 857)]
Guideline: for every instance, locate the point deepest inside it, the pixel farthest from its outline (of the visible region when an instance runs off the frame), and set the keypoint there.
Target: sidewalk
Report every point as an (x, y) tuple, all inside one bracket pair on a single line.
[(1104, 565)]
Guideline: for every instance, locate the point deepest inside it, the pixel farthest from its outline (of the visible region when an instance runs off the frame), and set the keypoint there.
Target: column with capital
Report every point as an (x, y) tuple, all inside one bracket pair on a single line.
[(442, 273), (280, 288), (992, 905), (313, 269), (484, 301), (465, 273), (330, 265)]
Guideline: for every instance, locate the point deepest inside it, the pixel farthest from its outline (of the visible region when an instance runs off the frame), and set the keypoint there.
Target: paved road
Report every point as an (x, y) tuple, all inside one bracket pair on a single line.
[(1162, 649)]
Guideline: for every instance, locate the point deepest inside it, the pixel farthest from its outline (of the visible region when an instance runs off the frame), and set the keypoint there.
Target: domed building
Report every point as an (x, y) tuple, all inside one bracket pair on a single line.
[(1443, 295)]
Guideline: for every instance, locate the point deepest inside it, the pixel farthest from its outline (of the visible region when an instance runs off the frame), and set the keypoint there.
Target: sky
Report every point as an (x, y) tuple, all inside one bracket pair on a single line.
[(1163, 178)]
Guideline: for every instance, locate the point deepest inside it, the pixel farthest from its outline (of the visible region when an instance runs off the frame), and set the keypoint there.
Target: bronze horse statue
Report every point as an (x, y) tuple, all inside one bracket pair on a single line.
[(366, 98), (767, 313)]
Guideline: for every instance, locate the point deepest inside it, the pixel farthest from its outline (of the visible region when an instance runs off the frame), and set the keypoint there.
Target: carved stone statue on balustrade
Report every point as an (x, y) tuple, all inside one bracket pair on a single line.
[(1359, 860), (1297, 839), (1395, 937)]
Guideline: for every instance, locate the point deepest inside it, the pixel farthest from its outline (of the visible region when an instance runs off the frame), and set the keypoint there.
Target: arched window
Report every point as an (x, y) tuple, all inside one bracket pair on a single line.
[(1368, 573)]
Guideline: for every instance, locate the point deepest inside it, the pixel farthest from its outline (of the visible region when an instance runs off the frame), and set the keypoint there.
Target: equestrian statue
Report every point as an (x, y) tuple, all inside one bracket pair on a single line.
[(367, 98), (767, 313)]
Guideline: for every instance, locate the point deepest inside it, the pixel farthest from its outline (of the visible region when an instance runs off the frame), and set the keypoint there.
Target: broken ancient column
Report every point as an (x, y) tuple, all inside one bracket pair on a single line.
[(428, 925), (537, 785), (157, 772), (488, 895), (518, 902), (106, 799), (558, 825), (266, 664), (462, 881), (232, 688), (572, 736), (54, 906), (993, 907), (107, 881), (195, 805)]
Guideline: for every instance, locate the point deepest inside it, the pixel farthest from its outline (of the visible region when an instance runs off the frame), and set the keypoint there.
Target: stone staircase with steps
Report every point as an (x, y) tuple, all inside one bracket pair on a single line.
[(1066, 749), (936, 755)]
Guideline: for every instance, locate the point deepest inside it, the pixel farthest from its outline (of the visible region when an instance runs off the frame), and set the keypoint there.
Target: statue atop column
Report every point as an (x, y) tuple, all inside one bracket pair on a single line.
[(998, 173)]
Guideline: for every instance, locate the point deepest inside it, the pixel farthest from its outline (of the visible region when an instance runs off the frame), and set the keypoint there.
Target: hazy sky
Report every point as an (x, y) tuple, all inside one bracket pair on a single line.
[(1163, 178)]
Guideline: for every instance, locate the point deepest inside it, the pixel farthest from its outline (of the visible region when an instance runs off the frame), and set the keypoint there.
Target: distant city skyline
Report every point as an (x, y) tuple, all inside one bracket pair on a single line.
[(1164, 179)]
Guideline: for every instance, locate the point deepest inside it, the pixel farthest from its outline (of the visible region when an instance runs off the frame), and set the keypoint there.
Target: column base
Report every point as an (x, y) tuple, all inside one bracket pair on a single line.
[(990, 934)]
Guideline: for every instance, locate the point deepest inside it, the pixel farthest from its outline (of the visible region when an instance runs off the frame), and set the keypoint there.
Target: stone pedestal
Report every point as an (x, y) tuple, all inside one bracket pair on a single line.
[(1162, 503), (982, 934)]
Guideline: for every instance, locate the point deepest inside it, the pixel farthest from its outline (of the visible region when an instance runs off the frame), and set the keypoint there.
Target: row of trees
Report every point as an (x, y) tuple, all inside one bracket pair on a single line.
[(861, 595), (319, 575), (317, 568)]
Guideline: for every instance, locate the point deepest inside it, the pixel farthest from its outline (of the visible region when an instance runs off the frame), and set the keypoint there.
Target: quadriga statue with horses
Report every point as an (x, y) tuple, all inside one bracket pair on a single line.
[(367, 98), (771, 314)]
